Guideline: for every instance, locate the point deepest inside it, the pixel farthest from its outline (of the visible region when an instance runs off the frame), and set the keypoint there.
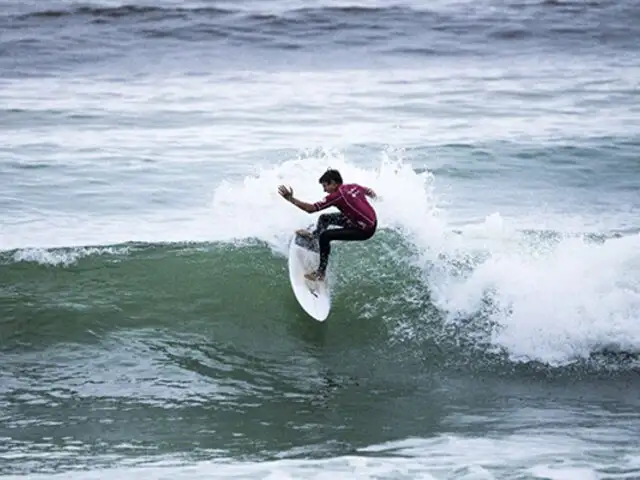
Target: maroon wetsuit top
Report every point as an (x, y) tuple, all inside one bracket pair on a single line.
[(351, 200)]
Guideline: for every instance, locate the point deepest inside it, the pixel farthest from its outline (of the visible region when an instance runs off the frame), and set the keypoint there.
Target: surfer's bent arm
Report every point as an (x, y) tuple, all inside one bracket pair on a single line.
[(369, 193), (307, 207)]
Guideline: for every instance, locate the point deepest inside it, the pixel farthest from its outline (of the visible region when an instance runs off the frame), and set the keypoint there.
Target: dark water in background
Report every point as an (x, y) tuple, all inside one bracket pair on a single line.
[(122, 39), (490, 330)]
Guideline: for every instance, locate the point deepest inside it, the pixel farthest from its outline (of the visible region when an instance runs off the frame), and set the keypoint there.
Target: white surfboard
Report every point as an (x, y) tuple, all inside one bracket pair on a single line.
[(314, 297)]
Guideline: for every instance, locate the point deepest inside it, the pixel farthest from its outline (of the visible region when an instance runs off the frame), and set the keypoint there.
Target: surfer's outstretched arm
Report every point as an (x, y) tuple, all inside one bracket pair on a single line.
[(287, 194), (307, 207)]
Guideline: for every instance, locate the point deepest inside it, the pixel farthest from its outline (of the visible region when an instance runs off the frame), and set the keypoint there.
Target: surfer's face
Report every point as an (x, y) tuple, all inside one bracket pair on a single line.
[(329, 187)]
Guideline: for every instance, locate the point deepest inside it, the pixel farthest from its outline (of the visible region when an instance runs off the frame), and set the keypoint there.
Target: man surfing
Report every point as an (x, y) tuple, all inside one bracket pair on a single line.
[(357, 218)]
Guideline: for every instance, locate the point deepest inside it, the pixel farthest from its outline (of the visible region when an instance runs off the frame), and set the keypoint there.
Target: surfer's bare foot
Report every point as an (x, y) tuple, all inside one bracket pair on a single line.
[(314, 276), (304, 233)]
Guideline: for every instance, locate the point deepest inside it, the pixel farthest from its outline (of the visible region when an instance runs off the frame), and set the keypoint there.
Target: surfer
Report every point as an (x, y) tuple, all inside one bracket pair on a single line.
[(357, 218)]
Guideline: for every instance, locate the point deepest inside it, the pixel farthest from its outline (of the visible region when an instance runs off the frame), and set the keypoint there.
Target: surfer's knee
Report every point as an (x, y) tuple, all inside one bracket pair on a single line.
[(324, 219)]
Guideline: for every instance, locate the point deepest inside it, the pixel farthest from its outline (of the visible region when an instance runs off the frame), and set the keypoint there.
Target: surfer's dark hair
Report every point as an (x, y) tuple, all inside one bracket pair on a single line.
[(331, 176)]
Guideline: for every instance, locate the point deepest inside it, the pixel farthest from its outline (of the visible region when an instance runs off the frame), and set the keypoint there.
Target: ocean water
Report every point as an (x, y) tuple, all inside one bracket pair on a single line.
[(490, 329)]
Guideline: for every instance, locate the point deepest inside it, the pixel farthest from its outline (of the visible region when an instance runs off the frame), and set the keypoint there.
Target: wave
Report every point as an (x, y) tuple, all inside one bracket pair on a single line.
[(99, 13), (481, 295)]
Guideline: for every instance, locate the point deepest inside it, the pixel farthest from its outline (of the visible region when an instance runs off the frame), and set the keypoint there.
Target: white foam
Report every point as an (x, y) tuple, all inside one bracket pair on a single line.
[(443, 457), (253, 208), (65, 257), (550, 300)]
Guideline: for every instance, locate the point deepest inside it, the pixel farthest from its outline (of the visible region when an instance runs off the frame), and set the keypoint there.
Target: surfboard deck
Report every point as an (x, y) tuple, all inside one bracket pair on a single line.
[(314, 297)]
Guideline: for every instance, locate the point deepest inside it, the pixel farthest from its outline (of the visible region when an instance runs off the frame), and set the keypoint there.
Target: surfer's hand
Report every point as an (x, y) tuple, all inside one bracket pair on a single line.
[(286, 193)]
